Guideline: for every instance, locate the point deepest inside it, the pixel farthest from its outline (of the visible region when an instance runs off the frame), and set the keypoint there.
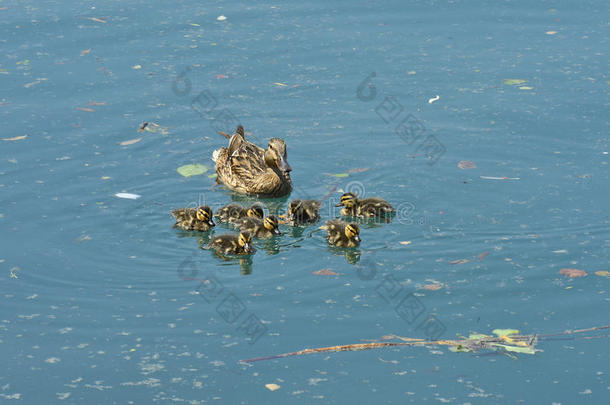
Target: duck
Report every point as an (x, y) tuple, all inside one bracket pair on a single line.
[(342, 234), (233, 212), (248, 169), (194, 219), (229, 244), (366, 207), (303, 212), (265, 228)]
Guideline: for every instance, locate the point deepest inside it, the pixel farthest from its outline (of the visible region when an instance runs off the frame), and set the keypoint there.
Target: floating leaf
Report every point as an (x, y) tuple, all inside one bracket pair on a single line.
[(86, 51), (192, 170), (526, 88), (505, 332), (85, 109), (128, 196), (325, 272), (212, 176), (513, 82), (15, 138), (340, 175), (459, 261), (136, 67), (221, 18), (359, 170), (280, 84), (573, 273), (405, 242), (482, 256), (433, 287), (97, 20), (272, 387), (131, 142), (221, 76), (603, 273), (466, 164), (551, 32)]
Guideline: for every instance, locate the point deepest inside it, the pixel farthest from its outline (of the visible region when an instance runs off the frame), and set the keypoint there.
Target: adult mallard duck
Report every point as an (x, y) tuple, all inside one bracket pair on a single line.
[(233, 212), (366, 207), (246, 168), (194, 219), (342, 234), (260, 228), (303, 212), (233, 244)]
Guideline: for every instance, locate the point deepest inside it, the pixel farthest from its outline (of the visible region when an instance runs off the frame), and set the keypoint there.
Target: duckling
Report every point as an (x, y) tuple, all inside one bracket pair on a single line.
[(342, 234), (304, 211), (246, 168), (233, 244), (194, 219), (232, 212), (366, 207), (260, 228)]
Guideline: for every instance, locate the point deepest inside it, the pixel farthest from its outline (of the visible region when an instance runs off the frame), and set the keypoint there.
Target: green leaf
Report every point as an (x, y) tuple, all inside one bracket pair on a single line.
[(212, 176), (526, 88), (340, 175), (192, 170), (505, 332), (512, 82)]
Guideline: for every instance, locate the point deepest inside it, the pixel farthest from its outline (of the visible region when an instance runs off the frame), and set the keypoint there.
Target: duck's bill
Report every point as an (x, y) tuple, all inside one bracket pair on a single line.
[(357, 238), (283, 165), (277, 231), (247, 247), (211, 222)]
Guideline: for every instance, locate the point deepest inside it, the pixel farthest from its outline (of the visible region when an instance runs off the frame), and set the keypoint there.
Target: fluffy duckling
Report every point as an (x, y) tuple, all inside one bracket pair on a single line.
[(233, 212), (342, 234), (194, 219), (233, 244), (246, 168), (260, 228), (366, 207), (304, 211)]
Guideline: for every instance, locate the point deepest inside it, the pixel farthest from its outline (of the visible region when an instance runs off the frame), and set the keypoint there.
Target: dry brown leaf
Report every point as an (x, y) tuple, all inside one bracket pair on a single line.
[(85, 109), (272, 387), (483, 255), (433, 287), (131, 142), (94, 103), (573, 273), (603, 273), (15, 138), (359, 170), (86, 51), (405, 242), (459, 261), (97, 20), (325, 272), (466, 164)]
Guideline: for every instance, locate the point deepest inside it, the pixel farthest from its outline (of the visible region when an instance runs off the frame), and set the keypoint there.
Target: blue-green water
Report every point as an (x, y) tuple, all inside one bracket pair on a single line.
[(102, 300)]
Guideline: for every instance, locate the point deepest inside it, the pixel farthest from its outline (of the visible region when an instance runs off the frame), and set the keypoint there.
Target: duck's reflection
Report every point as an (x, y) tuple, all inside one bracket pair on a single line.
[(352, 255)]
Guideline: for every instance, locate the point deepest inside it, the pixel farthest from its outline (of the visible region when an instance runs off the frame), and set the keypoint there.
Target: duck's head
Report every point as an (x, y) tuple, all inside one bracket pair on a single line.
[(352, 231), (275, 155), (204, 214), (255, 211), (244, 241), (293, 207), (271, 223), (347, 200), (240, 131)]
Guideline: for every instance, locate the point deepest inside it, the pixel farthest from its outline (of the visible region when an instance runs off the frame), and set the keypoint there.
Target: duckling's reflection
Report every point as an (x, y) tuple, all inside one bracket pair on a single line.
[(203, 239), (371, 222), (352, 255), (271, 245)]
